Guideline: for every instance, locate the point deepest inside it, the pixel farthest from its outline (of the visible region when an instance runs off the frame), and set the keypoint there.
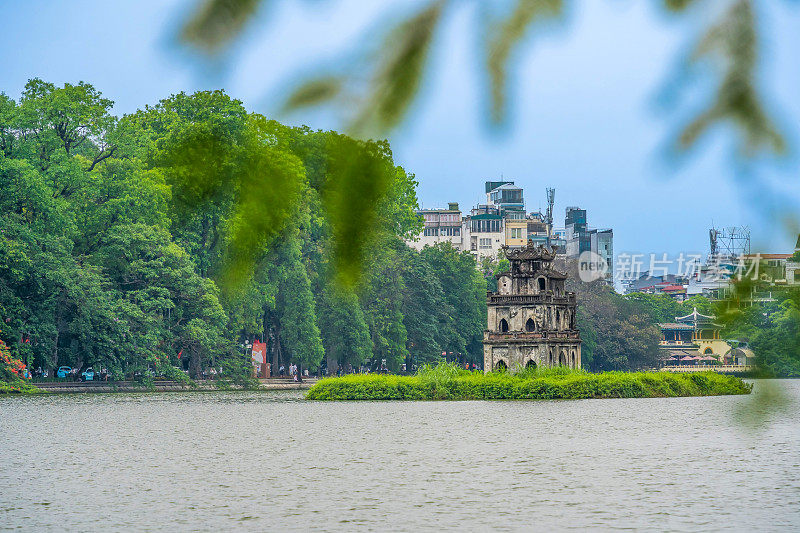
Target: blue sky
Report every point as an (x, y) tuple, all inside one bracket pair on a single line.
[(586, 117)]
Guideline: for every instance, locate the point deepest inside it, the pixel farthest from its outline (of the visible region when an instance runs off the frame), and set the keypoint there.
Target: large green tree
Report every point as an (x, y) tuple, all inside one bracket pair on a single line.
[(176, 235)]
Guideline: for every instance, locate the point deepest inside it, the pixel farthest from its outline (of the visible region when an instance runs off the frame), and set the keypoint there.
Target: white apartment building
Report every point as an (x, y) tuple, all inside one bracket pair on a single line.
[(441, 225), (486, 234)]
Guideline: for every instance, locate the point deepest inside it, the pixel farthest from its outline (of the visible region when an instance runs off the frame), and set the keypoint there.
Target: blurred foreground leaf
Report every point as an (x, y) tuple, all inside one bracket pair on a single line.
[(314, 92), (270, 181), (215, 23), (507, 35), (359, 176), (733, 43), (400, 67), (678, 5), (767, 402)]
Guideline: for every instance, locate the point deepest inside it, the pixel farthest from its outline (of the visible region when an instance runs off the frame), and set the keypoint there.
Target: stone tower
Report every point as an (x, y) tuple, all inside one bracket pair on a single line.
[(531, 318)]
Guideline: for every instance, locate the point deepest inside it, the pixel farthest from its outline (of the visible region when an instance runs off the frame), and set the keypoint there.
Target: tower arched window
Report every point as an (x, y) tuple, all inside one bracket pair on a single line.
[(541, 284), (503, 326), (530, 325)]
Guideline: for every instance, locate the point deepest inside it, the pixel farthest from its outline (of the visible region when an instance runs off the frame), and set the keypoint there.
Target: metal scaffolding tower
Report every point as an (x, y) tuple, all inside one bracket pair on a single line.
[(729, 242)]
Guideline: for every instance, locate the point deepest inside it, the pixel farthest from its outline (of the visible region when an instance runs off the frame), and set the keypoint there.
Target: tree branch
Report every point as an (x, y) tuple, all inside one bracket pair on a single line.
[(101, 157)]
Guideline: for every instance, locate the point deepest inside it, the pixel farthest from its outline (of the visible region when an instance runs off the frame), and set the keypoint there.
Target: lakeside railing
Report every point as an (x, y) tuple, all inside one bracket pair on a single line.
[(678, 344), (723, 369)]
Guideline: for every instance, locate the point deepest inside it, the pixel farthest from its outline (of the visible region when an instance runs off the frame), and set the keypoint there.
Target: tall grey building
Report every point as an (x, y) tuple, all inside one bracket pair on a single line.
[(576, 227), (580, 238), (602, 243)]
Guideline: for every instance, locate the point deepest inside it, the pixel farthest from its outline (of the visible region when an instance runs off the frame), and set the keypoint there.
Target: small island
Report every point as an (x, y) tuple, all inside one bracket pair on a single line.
[(532, 351), (448, 382)]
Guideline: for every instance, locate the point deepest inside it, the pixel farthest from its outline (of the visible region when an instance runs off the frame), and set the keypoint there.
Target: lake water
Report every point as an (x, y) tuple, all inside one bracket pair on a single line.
[(274, 462)]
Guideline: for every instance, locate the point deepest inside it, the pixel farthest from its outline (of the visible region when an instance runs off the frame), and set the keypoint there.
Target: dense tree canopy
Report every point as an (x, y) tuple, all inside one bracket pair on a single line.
[(174, 236), (618, 332), (771, 328), (664, 308)]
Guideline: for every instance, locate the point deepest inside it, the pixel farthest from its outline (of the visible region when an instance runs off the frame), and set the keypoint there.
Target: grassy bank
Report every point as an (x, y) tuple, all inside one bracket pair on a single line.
[(445, 382)]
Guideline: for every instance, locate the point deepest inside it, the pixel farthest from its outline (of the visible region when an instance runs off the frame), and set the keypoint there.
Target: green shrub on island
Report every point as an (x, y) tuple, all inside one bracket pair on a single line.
[(448, 382)]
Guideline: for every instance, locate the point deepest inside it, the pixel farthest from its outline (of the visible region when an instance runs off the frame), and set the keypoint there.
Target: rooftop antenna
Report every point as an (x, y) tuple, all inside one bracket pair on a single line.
[(712, 238), (548, 218), (729, 243)]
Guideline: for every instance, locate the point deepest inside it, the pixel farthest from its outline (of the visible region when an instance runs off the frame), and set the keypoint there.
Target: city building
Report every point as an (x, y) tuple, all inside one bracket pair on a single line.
[(531, 317), (502, 221), (492, 185), (508, 200), (440, 225), (516, 232), (577, 234), (717, 276), (581, 238), (537, 229), (712, 280), (793, 265), (486, 234), (666, 284), (693, 339), (793, 272), (601, 242), (558, 240), (772, 267)]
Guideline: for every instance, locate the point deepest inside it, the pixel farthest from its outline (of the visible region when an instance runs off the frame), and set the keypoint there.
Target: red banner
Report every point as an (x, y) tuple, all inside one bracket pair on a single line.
[(259, 355)]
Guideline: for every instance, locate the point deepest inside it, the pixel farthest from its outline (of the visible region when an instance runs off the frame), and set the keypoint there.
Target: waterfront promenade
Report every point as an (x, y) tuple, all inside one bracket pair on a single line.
[(722, 369), (165, 386)]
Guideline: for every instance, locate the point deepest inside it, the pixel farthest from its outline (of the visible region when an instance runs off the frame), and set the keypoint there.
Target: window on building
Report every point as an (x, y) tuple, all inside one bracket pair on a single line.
[(486, 243), (450, 232), (516, 233)]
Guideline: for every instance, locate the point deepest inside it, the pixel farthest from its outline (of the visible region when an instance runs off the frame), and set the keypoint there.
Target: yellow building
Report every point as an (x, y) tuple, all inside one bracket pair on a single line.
[(516, 232), (693, 339), (705, 334)]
